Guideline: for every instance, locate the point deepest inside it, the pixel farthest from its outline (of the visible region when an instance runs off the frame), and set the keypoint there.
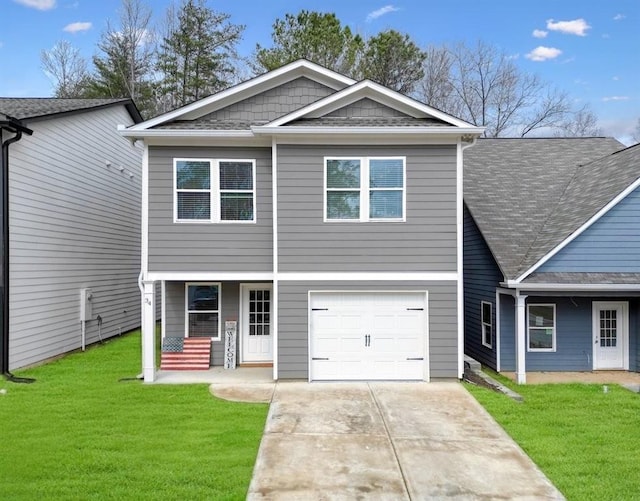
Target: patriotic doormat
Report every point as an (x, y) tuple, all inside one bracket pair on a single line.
[(185, 354)]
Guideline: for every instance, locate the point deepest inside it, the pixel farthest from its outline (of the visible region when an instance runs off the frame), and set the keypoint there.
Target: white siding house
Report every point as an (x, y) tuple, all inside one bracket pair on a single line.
[(74, 224)]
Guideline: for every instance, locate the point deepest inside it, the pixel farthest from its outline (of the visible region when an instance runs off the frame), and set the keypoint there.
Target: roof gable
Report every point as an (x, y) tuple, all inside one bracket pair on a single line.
[(514, 189), (371, 91), (595, 191), (250, 88)]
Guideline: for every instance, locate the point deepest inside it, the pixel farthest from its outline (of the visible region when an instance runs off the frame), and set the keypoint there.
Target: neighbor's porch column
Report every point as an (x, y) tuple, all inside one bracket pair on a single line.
[(521, 339), (149, 332)]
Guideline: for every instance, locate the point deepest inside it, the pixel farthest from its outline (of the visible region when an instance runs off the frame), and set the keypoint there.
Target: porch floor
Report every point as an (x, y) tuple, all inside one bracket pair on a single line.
[(597, 377), (240, 375)]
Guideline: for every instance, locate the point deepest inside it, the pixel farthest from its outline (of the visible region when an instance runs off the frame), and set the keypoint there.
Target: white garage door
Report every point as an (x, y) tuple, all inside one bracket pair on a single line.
[(368, 336)]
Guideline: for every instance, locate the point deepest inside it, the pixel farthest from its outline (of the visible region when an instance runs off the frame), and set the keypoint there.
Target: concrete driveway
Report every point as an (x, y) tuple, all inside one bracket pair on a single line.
[(388, 441)]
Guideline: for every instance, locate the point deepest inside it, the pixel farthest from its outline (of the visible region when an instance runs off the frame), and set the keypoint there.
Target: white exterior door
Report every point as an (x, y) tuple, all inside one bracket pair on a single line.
[(257, 335), (611, 335), (368, 336)]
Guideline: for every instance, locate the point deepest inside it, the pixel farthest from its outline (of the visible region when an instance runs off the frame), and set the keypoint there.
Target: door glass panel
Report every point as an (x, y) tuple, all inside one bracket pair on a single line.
[(258, 320), (608, 328)]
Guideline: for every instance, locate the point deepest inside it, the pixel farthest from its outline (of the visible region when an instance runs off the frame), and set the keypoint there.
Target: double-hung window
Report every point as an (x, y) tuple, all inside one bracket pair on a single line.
[(203, 310), (365, 189), (486, 323), (541, 327), (214, 191)]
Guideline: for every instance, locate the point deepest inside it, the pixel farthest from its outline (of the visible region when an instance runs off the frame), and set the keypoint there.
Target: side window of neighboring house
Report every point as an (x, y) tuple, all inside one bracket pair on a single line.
[(486, 323), (203, 310), (214, 191), (365, 189), (541, 327)]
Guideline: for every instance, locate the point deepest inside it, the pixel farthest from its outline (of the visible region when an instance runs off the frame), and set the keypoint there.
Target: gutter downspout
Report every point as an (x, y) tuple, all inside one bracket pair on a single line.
[(14, 126)]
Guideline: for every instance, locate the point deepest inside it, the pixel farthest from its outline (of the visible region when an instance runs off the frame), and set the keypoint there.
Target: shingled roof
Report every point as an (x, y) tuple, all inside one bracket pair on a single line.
[(40, 108), (528, 195)]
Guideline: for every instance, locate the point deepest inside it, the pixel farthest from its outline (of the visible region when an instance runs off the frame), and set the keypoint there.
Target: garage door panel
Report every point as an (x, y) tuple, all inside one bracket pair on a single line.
[(368, 336)]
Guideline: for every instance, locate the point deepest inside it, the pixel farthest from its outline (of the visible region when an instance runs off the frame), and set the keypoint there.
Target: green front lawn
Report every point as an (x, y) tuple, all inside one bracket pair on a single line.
[(586, 441), (79, 433)]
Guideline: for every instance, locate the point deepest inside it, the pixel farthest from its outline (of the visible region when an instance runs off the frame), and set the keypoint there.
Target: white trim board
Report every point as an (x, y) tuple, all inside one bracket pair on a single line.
[(180, 276)]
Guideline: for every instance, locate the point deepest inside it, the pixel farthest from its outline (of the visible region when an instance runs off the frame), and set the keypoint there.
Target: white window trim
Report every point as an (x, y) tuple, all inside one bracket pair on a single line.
[(553, 337), (486, 325), (365, 190), (214, 191), (218, 311)]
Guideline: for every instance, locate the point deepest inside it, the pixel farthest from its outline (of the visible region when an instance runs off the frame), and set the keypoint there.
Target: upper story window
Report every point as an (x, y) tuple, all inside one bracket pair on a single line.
[(214, 191), (487, 324), (541, 327), (365, 189)]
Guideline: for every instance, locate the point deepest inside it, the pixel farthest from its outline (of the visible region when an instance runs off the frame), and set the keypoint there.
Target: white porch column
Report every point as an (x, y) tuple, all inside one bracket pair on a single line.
[(521, 339), (149, 332)]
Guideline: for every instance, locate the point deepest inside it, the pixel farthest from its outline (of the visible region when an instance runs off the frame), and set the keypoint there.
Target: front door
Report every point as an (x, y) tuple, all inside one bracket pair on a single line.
[(610, 335), (257, 335)]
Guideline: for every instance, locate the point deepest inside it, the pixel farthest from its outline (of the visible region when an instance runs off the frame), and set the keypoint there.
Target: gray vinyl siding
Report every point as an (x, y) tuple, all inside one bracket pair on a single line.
[(425, 242), (274, 103), (611, 244), (481, 277), (75, 223), (293, 337), (574, 334), (366, 108), (194, 247)]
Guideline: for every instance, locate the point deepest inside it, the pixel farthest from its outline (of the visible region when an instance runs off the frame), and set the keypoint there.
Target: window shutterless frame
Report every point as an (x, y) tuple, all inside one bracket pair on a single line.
[(204, 309), (486, 323), (214, 191), (536, 324), (364, 189)]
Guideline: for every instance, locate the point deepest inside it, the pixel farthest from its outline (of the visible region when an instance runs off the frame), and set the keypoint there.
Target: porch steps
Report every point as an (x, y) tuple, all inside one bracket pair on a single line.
[(185, 354)]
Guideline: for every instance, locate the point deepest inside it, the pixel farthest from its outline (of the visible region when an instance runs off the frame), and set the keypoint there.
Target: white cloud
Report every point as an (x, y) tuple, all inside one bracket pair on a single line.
[(619, 17), (616, 78), (615, 98), (542, 53), (576, 27), (38, 4), (381, 12), (77, 27), (539, 33)]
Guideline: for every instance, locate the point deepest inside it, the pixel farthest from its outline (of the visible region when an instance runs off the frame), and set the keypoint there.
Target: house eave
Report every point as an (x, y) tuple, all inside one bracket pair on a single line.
[(413, 131), (180, 133), (511, 284)]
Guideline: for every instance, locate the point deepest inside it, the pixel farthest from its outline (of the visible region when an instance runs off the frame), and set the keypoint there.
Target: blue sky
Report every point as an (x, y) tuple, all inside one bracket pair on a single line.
[(591, 49)]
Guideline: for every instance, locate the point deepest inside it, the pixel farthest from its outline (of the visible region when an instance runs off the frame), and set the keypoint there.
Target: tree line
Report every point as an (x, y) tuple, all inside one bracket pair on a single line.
[(193, 53)]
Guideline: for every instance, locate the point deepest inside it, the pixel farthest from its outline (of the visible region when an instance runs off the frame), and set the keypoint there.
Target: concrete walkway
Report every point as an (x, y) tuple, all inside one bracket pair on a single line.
[(392, 441)]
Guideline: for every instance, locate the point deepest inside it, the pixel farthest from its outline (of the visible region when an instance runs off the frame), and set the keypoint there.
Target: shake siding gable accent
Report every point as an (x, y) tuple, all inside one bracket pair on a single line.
[(611, 244), (426, 242), (275, 102), (293, 352), (481, 276), (366, 108), (211, 247), (75, 223)]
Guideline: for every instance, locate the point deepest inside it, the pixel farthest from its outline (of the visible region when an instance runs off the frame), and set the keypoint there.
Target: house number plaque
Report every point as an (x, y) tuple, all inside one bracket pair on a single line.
[(230, 334)]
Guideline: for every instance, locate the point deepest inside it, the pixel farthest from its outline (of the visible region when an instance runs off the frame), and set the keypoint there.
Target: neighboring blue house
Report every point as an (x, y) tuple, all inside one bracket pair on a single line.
[(552, 254)]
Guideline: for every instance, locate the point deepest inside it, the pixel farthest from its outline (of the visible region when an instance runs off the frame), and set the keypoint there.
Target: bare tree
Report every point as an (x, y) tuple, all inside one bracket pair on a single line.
[(125, 63), (580, 123), (485, 87), (66, 68), (636, 133)]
